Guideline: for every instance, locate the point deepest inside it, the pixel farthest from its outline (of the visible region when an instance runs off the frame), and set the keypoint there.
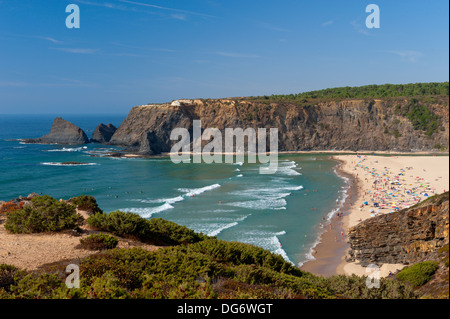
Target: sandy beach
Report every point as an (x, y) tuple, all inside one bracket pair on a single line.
[(380, 185)]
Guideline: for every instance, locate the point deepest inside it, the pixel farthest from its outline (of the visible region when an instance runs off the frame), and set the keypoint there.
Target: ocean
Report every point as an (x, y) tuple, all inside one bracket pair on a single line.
[(283, 212)]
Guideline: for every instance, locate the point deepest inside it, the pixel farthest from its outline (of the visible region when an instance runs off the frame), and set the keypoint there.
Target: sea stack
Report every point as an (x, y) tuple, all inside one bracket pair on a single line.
[(103, 133), (62, 132)]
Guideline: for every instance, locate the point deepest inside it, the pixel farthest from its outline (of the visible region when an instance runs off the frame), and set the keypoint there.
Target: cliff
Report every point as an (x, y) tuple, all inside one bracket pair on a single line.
[(62, 132), (395, 124), (408, 236)]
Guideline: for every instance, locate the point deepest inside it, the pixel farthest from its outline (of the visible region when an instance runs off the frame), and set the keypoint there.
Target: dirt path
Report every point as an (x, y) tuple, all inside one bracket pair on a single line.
[(29, 251)]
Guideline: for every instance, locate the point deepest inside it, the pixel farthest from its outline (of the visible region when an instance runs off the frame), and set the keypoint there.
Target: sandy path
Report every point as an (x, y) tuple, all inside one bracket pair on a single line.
[(29, 251)]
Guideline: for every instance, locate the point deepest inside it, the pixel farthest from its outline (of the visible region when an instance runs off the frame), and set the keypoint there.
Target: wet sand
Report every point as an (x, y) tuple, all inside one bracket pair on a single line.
[(331, 250)]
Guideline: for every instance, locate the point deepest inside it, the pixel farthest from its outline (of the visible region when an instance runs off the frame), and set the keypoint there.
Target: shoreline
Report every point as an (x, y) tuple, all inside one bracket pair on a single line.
[(330, 255), (126, 154), (331, 246)]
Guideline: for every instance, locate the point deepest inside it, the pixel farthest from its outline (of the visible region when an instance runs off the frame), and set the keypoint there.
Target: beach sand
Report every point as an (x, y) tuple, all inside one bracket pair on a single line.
[(400, 182)]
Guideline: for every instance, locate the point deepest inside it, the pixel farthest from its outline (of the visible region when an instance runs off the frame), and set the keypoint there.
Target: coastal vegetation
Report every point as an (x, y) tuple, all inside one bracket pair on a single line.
[(190, 265), (10, 207), (86, 203), (369, 91), (234, 270), (43, 214), (418, 274), (421, 117), (155, 230), (99, 242)]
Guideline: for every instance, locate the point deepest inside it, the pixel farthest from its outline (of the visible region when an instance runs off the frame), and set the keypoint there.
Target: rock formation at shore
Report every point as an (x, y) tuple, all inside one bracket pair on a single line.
[(404, 237), (103, 133), (388, 124), (62, 132)]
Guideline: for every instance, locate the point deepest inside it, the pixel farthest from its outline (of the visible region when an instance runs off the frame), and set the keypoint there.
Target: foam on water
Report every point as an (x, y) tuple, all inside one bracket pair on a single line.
[(273, 204), (264, 198), (287, 168), (220, 229), (214, 226), (147, 212), (68, 149), (61, 164), (198, 191), (267, 240), (161, 200)]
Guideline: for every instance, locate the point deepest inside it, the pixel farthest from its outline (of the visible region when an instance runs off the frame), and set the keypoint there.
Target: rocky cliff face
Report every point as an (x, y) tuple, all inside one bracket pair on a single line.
[(404, 237), (103, 133), (375, 125), (62, 132)]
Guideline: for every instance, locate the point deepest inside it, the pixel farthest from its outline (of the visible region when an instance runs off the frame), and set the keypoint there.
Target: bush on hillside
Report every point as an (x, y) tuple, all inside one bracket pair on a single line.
[(10, 275), (45, 214), (156, 231), (98, 242), (86, 203), (418, 274)]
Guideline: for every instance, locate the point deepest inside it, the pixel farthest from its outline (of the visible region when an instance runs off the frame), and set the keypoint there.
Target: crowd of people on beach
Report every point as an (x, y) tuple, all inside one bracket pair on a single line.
[(390, 191)]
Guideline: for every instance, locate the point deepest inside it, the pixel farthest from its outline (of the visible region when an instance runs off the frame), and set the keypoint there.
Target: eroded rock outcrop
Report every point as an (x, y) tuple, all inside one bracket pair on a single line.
[(62, 132), (351, 124), (404, 237), (103, 133)]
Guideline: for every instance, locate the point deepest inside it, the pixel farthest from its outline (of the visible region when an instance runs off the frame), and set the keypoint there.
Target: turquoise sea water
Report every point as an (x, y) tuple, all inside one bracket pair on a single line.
[(280, 212)]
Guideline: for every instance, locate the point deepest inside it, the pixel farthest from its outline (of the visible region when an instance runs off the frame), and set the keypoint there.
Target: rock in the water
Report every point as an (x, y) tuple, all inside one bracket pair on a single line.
[(103, 133), (62, 132)]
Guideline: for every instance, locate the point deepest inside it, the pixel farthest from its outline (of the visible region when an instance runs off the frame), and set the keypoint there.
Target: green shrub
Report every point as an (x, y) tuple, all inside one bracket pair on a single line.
[(369, 91), (187, 271), (107, 287), (241, 253), (156, 231), (10, 275), (40, 286), (119, 223), (45, 214), (127, 265), (418, 274), (421, 117), (164, 231), (86, 203), (99, 242)]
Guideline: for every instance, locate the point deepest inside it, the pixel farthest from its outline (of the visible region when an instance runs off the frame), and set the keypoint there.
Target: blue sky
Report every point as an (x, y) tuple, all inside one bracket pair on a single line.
[(133, 52)]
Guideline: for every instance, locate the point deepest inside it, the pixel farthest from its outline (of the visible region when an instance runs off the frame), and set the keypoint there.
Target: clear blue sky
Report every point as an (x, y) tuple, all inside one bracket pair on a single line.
[(132, 52)]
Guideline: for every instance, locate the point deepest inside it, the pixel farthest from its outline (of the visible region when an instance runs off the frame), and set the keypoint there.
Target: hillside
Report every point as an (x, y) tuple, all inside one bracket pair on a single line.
[(192, 266)]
